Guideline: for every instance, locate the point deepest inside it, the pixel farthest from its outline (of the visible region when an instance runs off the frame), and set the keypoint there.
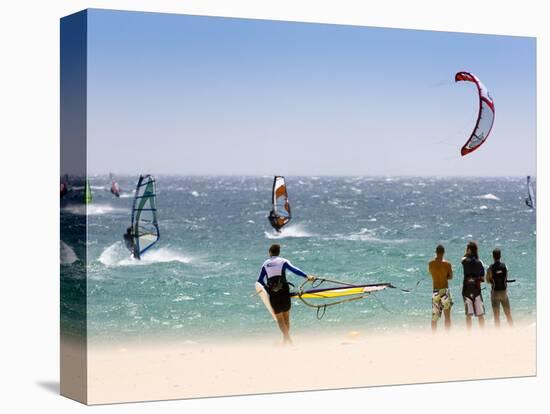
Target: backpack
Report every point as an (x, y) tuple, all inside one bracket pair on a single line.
[(277, 284)]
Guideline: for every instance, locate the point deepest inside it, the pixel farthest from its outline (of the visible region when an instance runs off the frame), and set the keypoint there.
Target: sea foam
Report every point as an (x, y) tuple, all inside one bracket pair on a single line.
[(117, 255)]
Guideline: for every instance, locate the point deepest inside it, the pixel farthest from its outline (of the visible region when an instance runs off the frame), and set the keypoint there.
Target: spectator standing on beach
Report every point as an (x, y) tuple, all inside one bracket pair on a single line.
[(474, 274), (497, 276), (441, 271)]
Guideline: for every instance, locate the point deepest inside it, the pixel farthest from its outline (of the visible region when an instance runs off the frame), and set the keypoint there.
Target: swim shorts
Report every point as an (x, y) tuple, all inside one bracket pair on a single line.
[(441, 300), (280, 301), (473, 305)]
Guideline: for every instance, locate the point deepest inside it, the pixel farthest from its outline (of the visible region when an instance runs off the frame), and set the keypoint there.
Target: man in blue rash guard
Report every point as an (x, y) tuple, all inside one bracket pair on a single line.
[(273, 279)]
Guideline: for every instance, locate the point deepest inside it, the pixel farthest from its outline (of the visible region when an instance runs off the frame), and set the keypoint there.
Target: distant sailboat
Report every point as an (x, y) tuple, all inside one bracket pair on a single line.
[(279, 215), (530, 200), (115, 188), (143, 232)]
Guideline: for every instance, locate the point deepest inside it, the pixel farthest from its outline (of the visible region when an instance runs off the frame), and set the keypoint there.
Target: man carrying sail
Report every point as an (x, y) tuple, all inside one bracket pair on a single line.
[(273, 279)]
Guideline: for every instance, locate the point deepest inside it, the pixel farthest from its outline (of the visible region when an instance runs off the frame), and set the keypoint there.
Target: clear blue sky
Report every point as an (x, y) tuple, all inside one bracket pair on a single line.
[(180, 94)]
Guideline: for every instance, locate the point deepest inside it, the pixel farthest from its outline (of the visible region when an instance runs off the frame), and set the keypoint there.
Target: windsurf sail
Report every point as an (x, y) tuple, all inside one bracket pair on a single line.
[(115, 188), (530, 200), (485, 116), (87, 193), (144, 225), (337, 292), (280, 212), (343, 292)]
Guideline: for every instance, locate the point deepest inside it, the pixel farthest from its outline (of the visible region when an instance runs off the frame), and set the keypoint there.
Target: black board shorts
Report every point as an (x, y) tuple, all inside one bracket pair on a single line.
[(280, 301)]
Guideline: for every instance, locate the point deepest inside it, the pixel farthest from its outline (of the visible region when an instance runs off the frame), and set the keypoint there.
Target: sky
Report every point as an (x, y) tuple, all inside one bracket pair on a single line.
[(192, 95)]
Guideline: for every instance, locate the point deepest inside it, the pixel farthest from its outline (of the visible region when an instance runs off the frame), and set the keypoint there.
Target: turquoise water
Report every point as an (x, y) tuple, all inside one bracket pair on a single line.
[(198, 280)]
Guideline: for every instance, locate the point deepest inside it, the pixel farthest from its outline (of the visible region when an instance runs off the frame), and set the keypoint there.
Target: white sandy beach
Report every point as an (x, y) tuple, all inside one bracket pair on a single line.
[(138, 372)]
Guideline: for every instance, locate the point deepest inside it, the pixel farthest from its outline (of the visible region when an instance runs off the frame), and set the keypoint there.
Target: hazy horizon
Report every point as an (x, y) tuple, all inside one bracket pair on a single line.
[(176, 175)]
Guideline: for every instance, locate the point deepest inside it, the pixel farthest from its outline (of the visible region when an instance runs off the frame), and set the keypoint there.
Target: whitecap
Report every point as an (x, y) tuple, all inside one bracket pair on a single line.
[(117, 255), (182, 298), (366, 235), (92, 209), (488, 196), (296, 230)]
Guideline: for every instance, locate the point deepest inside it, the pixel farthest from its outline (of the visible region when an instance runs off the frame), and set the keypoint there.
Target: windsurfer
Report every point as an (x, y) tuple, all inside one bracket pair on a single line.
[(274, 220), (273, 278), (279, 215), (529, 200), (441, 271), (115, 189), (129, 240)]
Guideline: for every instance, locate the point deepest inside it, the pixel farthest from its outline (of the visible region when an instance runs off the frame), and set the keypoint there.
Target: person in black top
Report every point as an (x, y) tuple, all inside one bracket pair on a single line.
[(474, 274), (497, 276), (274, 220), (130, 242)]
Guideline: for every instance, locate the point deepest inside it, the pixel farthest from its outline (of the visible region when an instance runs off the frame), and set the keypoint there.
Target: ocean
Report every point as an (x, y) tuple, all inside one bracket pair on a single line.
[(197, 283)]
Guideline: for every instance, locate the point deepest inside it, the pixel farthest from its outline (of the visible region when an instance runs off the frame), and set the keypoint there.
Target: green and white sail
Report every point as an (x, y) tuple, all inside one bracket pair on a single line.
[(145, 227)]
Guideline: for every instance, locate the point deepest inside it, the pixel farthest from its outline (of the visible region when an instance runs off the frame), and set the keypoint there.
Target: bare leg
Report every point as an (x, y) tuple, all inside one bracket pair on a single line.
[(447, 313), (282, 326), (496, 313), (507, 311), (286, 316), (481, 320), (469, 321), (283, 320), (435, 313)]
